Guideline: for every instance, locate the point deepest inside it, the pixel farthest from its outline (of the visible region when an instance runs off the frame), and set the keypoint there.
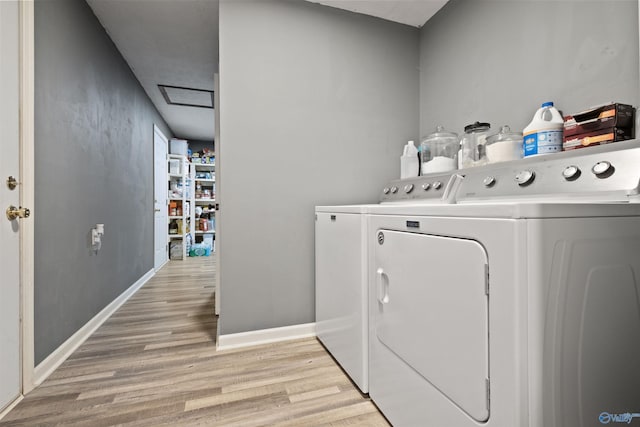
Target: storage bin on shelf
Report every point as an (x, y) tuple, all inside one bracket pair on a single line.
[(200, 249)]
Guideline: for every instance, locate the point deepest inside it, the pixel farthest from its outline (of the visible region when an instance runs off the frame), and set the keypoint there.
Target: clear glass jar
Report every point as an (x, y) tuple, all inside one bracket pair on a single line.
[(504, 146), (472, 145), (439, 150)]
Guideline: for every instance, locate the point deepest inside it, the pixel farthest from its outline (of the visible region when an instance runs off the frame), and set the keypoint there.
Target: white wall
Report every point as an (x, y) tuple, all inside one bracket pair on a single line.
[(316, 104), (497, 61)]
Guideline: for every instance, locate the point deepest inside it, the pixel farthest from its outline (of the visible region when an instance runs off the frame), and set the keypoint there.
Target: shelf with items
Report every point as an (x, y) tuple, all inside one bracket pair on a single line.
[(204, 160), (179, 206), (205, 191), (208, 209), (205, 226), (204, 179), (205, 223)]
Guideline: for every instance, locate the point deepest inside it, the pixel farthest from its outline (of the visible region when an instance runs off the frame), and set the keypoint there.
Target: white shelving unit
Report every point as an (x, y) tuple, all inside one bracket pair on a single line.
[(204, 196), (180, 205)]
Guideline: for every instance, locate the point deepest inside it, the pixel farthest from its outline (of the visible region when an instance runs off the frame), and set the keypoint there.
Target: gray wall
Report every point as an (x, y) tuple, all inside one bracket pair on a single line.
[(94, 164), (316, 104), (497, 61)]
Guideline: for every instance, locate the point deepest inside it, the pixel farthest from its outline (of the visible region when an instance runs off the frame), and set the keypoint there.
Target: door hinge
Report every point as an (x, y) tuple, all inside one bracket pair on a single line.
[(488, 385), (486, 279)]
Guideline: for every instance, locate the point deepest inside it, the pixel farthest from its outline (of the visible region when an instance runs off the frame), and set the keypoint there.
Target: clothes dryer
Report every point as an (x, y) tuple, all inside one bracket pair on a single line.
[(519, 305)]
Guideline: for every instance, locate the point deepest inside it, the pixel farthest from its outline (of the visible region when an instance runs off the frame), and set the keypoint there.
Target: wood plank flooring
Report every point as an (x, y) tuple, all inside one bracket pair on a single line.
[(154, 363)]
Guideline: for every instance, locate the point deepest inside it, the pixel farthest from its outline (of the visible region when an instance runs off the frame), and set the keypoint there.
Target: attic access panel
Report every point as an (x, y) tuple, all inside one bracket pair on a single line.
[(187, 97)]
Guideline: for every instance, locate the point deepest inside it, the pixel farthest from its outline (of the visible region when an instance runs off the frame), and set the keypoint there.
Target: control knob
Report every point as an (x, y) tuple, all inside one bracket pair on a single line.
[(525, 177), (571, 172), (489, 181), (602, 169)]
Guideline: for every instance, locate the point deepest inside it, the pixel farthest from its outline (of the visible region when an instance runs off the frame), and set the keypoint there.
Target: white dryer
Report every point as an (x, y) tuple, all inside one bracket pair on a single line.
[(517, 306), (342, 316)]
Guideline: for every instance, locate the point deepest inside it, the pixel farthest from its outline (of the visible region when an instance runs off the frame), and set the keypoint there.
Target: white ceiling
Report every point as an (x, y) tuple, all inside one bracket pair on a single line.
[(175, 43), (168, 42), (410, 12)]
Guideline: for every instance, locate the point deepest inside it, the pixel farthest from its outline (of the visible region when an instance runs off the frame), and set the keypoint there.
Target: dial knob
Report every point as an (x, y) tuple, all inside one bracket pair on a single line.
[(602, 169), (571, 172), (426, 186), (394, 189), (437, 185), (489, 181), (386, 190), (525, 177), (408, 188)]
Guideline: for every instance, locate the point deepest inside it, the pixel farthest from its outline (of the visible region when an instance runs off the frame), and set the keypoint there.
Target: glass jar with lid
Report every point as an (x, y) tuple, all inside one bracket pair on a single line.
[(472, 145), (504, 146), (439, 151)]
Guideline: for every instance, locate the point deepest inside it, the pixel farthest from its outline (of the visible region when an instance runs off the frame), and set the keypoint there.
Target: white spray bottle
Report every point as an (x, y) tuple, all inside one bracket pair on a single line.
[(409, 161)]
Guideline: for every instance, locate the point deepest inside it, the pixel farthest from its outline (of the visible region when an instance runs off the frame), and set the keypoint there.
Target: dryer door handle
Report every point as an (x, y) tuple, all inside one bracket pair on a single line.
[(382, 286)]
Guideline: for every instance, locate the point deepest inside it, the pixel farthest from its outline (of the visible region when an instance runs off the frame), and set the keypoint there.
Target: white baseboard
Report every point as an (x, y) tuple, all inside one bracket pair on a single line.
[(11, 406), (266, 336), (163, 264), (59, 355)]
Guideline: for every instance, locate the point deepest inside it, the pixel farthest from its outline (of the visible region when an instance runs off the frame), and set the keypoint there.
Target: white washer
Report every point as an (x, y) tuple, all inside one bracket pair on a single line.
[(341, 287), (342, 317), (517, 306)]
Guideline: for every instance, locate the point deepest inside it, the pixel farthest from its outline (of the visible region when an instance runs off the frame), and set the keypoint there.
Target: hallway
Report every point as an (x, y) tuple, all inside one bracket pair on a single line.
[(154, 363)]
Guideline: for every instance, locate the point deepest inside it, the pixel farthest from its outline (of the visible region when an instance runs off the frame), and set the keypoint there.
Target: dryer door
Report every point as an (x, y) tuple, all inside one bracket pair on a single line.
[(432, 312)]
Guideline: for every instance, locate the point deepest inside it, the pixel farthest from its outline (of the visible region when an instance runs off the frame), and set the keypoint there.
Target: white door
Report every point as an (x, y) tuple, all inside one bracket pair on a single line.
[(10, 371), (432, 313), (160, 198), (216, 105)]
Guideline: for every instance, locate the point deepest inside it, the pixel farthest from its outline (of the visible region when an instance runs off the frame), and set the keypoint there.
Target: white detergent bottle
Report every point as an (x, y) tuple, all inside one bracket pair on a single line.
[(544, 134), (409, 161)]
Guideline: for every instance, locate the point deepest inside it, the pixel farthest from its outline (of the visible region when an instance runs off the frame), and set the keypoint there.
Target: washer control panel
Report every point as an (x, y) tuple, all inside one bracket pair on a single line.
[(606, 171), (429, 188), (610, 172)]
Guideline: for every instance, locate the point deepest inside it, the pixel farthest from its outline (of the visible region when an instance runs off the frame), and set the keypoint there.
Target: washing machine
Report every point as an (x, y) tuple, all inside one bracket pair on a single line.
[(341, 270), (517, 305)]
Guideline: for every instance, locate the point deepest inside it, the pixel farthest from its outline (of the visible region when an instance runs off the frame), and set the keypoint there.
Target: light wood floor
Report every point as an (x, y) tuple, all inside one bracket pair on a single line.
[(154, 363)]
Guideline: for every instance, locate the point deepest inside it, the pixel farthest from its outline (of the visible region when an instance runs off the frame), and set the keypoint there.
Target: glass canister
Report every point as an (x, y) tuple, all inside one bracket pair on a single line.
[(504, 146), (439, 150), (472, 145)]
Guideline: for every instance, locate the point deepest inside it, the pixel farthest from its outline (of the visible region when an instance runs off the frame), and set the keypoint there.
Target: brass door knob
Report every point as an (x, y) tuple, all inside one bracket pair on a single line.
[(13, 213), (12, 183)]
